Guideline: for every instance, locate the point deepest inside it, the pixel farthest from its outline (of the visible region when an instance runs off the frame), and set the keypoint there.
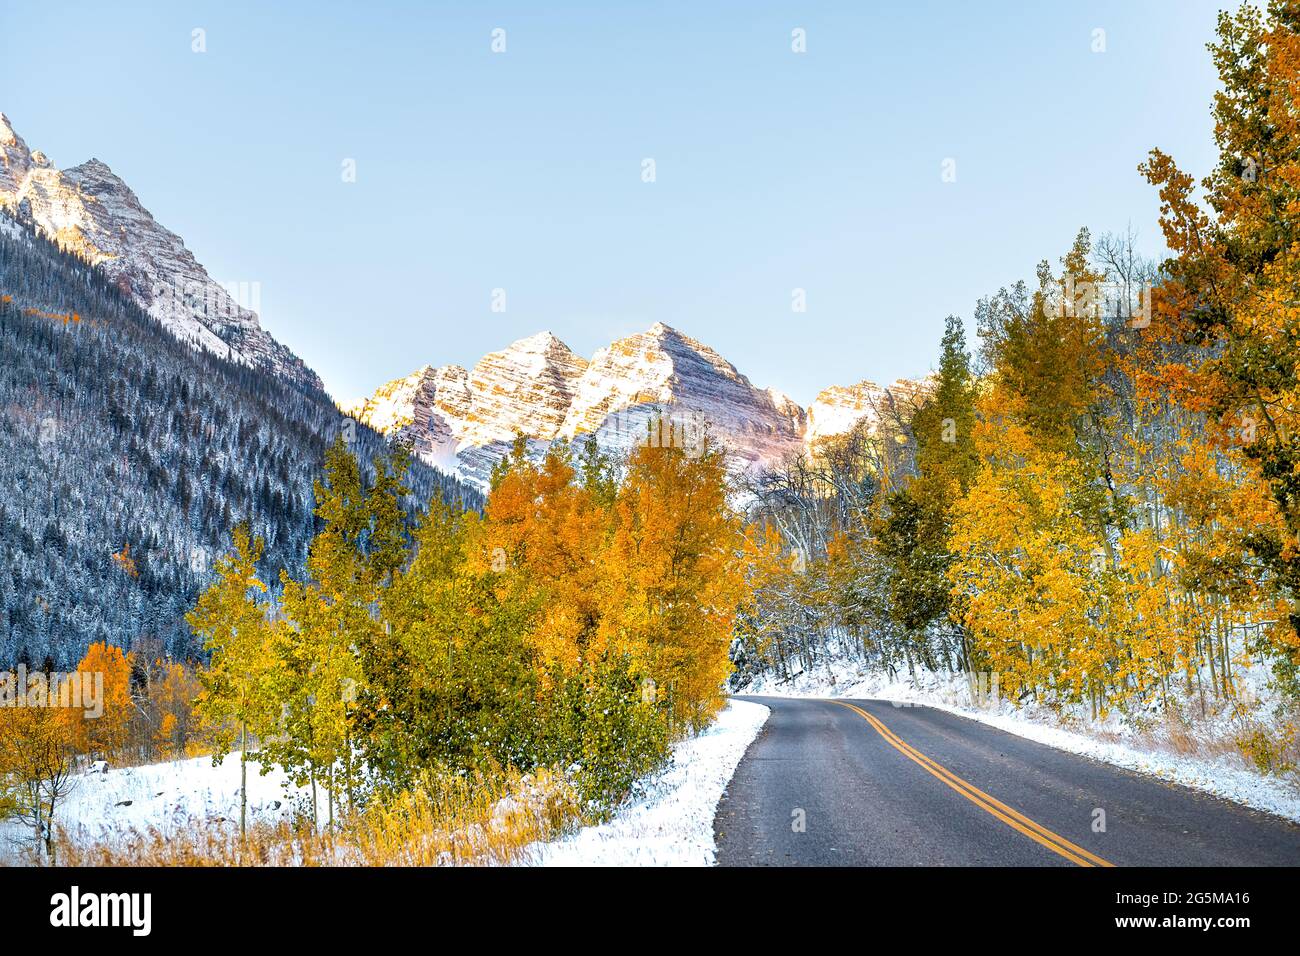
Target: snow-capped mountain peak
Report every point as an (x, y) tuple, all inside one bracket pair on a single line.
[(89, 210), (16, 160), (538, 387), (662, 372)]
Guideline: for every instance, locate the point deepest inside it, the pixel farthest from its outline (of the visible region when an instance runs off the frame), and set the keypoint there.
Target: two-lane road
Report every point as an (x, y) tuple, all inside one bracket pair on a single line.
[(865, 783)]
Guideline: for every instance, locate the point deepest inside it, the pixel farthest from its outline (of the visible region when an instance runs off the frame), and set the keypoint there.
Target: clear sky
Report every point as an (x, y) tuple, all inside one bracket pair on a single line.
[(523, 170)]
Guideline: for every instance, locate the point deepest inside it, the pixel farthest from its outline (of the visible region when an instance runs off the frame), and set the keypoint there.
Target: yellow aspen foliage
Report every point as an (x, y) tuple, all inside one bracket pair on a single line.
[(652, 573), (172, 693), (37, 765), (676, 572), (770, 591), (127, 563), (1230, 296), (1029, 570)]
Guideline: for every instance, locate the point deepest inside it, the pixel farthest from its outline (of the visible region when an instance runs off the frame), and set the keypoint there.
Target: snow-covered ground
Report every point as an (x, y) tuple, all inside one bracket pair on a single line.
[(1112, 740), (670, 823), (165, 796)]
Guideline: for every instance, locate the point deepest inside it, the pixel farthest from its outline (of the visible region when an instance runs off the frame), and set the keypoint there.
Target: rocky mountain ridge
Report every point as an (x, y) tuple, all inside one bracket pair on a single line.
[(465, 421), (88, 210)]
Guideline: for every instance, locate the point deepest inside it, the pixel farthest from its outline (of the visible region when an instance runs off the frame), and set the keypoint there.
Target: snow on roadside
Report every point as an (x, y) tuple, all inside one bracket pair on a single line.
[(671, 822), (1225, 776)]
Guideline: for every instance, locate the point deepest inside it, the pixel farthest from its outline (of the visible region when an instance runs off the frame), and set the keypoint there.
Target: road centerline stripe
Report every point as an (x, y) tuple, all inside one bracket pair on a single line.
[(991, 805)]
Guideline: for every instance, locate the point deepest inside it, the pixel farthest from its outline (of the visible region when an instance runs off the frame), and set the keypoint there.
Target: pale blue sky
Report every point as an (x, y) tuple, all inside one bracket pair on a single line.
[(522, 170)]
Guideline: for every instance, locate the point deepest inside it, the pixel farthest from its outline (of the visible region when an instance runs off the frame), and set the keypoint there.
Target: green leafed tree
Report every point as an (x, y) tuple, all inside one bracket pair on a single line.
[(238, 696)]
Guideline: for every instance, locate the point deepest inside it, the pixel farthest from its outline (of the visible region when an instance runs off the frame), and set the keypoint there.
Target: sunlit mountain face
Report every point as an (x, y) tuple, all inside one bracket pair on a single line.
[(654, 380)]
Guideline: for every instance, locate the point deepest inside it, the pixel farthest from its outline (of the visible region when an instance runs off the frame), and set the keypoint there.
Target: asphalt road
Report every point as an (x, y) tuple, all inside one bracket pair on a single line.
[(865, 783)]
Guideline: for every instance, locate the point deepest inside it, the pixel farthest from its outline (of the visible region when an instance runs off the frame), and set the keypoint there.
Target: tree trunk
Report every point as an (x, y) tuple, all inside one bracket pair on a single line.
[(49, 828), (347, 762), (243, 781)]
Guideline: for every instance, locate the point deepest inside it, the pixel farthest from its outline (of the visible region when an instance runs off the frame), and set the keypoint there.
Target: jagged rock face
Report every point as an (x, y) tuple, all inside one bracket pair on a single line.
[(840, 408), (539, 388), (16, 160), (527, 388), (91, 211), (420, 408), (662, 376), (466, 422)]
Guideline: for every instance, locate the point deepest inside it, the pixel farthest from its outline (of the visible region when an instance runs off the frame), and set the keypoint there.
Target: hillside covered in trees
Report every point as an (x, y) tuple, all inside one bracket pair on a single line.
[(126, 458)]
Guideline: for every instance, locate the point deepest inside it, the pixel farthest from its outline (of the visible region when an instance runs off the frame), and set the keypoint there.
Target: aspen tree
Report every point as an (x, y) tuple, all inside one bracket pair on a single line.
[(238, 684)]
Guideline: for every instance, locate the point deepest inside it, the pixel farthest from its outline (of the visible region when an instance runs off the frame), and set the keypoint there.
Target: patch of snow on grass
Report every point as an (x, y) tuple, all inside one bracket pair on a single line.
[(671, 823), (104, 806)]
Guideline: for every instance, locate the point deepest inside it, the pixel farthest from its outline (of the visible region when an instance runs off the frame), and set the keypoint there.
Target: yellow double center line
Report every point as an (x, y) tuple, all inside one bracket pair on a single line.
[(1017, 821)]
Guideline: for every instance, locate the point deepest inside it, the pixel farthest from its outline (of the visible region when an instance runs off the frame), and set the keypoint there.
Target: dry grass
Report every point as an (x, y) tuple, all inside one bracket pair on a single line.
[(1241, 730), (447, 821)]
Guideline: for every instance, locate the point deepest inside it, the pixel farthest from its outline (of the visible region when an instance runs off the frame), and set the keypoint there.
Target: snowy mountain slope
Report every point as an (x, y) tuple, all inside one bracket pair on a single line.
[(538, 387), (126, 458), (413, 407), (466, 421), (662, 372), (90, 211)]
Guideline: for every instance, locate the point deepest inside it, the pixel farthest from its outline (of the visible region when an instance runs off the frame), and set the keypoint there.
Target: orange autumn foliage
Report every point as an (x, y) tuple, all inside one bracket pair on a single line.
[(107, 734), (649, 570)]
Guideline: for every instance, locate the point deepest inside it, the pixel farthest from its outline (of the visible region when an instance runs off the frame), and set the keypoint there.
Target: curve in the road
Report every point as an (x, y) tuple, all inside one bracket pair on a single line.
[(858, 783), (1011, 817)]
